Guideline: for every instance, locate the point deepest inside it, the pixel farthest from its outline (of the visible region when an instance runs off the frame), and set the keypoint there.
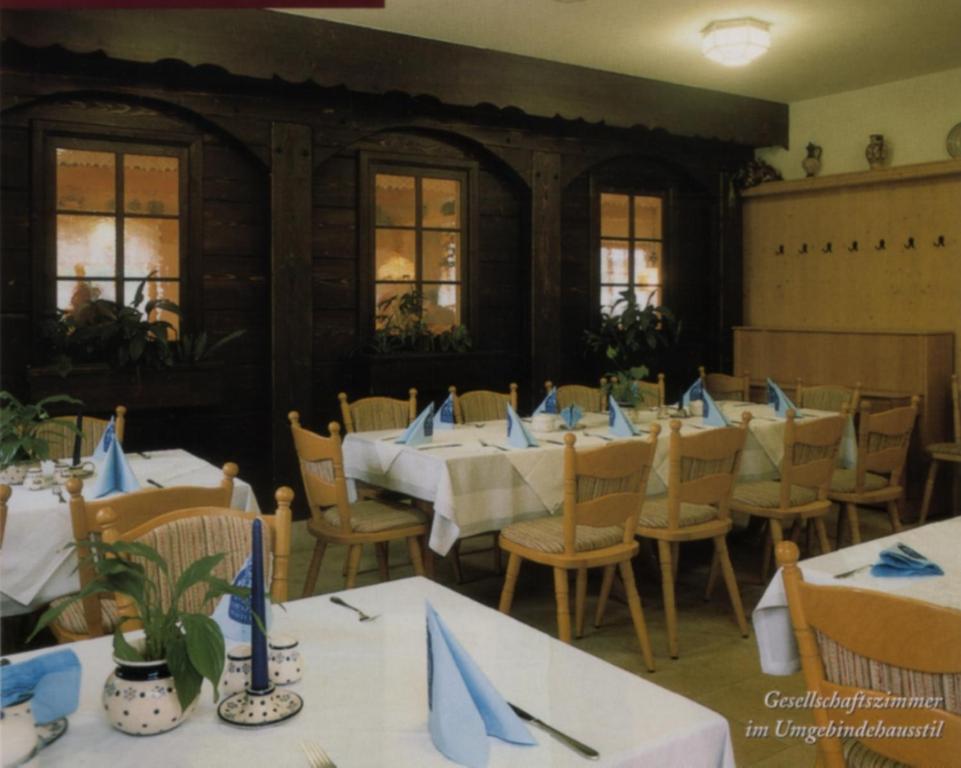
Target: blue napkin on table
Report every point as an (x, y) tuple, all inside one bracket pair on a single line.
[(232, 613), (106, 440), (571, 415), (694, 392), (548, 404), (712, 414), (421, 429), (619, 423), (114, 474), (780, 402), (517, 434), (902, 560), (53, 679), (463, 707), (444, 418)]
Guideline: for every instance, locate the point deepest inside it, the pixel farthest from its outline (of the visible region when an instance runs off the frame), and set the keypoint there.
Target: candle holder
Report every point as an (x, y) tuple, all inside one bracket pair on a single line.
[(251, 708)]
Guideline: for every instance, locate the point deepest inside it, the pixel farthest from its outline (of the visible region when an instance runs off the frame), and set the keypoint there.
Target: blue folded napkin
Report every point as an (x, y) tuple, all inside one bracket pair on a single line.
[(106, 440), (464, 708), (548, 404), (232, 613), (780, 402), (901, 560), (444, 418), (517, 434), (694, 392), (619, 424), (712, 414), (421, 429), (114, 474), (571, 415), (53, 679)]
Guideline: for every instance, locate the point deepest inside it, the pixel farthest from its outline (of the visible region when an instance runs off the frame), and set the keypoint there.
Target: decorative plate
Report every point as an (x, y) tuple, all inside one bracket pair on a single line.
[(48, 733), (954, 141)]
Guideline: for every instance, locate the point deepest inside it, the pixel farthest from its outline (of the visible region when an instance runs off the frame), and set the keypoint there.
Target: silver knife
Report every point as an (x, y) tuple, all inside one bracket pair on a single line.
[(591, 754)]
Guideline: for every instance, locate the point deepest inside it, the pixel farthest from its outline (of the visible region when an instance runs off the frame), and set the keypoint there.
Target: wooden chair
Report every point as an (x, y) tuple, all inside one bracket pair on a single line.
[(186, 535), (651, 393), (60, 441), (95, 616), (482, 404), (372, 413), (852, 643), (950, 452), (701, 477), (828, 397), (588, 399), (801, 495), (721, 386), (882, 450), (603, 495), (333, 519), (5, 492)]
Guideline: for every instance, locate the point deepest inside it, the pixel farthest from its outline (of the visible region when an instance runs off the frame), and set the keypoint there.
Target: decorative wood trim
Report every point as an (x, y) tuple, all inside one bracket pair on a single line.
[(545, 305)]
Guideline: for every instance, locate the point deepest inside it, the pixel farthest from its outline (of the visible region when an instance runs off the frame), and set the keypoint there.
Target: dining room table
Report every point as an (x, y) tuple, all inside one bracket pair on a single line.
[(37, 564), (851, 567), (476, 481), (365, 694)]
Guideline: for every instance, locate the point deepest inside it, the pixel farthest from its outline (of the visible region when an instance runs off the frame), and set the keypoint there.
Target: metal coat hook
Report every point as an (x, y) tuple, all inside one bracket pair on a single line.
[(939, 243), (780, 250), (828, 248), (880, 246), (909, 245), (853, 247), (803, 248)]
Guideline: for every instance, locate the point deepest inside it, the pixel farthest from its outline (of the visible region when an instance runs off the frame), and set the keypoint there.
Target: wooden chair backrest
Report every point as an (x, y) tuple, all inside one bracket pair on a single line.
[(589, 399), (883, 441), (828, 397), (183, 536), (322, 470), (651, 392), (5, 493), (721, 386), (372, 413), (483, 404), (810, 453), (956, 402), (916, 639), (60, 441), (131, 510), (606, 486), (702, 468)]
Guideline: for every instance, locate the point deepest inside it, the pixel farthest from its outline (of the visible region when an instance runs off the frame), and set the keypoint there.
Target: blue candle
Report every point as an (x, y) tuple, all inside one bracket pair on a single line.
[(259, 680)]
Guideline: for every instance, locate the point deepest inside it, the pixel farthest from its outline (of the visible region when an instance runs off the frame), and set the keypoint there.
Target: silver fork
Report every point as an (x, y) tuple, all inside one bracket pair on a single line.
[(316, 757)]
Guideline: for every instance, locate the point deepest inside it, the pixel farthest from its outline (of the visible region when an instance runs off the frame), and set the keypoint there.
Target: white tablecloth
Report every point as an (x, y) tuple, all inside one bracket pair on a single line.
[(365, 697), (941, 542), (476, 488), (36, 567)]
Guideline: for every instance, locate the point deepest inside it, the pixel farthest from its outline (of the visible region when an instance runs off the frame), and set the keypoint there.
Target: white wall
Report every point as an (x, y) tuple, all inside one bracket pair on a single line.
[(914, 115)]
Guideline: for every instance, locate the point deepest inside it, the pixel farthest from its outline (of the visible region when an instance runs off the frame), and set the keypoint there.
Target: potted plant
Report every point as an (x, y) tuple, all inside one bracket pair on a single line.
[(22, 442), (628, 337), (401, 328), (157, 679)]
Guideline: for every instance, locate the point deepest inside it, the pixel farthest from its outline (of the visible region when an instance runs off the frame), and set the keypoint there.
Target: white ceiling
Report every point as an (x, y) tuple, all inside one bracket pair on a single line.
[(818, 46)]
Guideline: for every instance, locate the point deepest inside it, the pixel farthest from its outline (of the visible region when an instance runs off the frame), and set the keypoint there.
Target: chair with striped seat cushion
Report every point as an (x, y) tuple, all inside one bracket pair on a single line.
[(655, 514), (883, 440), (828, 397), (483, 404), (333, 519), (603, 494), (722, 386), (74, 620), (373, 413), (588, 399), (60, 441), (861, 647), (949, 452)]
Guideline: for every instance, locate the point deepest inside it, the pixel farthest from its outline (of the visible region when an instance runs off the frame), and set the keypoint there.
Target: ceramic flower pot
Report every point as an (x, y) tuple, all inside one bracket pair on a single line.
[(18, 734), (14, 474), (140, 698)]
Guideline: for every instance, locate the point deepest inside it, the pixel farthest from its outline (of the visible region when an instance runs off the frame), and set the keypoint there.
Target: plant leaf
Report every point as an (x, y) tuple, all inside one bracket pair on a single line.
[(194, 573), (205, 646), (124, 650), (188, 680)]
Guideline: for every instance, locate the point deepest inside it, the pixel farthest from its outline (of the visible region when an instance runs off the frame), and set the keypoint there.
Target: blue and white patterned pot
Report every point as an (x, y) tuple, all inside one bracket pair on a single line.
[(140, 698)]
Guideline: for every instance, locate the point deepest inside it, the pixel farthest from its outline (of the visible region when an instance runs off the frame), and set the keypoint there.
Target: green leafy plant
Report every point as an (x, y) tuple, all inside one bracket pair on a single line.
[(21, 438), (194, 348), (629, 336), (401, 328), (191, 643)]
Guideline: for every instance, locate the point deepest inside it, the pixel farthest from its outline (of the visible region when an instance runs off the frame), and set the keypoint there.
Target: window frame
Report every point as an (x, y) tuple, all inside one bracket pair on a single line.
[(465, 171), (47, 137)]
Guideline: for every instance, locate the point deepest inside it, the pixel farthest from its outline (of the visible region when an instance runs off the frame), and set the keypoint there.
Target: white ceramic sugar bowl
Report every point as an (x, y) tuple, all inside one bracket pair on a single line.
[(236, 671), (18, 734), (286, 664)]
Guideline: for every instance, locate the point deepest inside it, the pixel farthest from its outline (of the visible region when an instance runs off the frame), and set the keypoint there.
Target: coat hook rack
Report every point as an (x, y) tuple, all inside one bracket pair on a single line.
[(828, 248), (939, 243), (909, 245), (880, 246), (803, 248), (853, 247), (780, 250)]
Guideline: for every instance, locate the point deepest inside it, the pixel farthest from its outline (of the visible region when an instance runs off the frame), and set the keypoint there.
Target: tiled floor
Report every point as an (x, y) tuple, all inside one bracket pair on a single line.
[(716, 667)]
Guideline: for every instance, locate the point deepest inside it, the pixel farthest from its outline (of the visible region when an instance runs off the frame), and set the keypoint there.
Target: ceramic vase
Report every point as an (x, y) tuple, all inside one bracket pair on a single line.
[(140, 698), (876, 151), (812, 162), (18, 734)]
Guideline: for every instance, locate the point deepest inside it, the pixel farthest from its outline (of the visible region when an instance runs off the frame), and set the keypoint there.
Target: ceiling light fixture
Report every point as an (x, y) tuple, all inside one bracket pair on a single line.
[(735, 42)]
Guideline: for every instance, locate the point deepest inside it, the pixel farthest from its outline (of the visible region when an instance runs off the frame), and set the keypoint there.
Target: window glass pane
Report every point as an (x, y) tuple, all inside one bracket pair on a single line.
[(614, 215), (440, 200), (441, 305), (73, 294), (151, 184), (86, 246), (385, 291), (615, 266), (395, 201), (153, 290), (609, 295), (395, 254), (648, 294), (441, 255), (647, 217), (86, 181), (647, 263), (151, 245)]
